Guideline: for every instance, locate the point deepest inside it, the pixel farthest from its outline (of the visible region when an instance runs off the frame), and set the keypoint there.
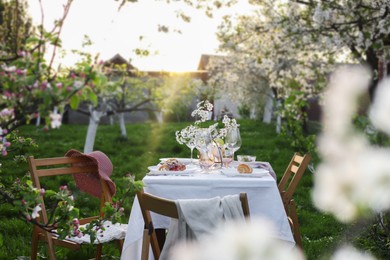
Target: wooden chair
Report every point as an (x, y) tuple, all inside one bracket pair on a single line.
[(287, 187), (47, 167), (150, 203)]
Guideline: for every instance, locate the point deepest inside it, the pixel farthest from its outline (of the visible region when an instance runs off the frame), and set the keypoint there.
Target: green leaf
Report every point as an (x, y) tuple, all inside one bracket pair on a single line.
[(32, 40), (74, 102), (93, 98)]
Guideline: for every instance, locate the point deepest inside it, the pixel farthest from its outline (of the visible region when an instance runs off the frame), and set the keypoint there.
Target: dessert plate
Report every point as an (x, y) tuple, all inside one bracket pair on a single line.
[(232, 172), (154, 171), (182, 160)]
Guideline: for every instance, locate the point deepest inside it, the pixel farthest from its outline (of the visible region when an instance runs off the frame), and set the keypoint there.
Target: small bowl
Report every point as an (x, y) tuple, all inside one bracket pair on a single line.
[(246, 158)]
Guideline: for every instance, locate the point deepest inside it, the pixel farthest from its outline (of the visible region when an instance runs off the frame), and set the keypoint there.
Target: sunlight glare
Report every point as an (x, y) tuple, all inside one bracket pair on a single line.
[(135, 26)]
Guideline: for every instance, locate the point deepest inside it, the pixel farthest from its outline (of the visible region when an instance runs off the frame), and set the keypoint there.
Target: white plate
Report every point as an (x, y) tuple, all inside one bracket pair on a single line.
[(232, 172), (154, 171), (252, 164), (182, 160)]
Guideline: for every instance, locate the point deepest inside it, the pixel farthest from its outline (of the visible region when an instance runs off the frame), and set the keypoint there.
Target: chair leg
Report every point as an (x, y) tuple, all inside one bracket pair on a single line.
[(50, 246), (294, 218), (34, 243), (99, 250), (145, 245), (120, 245)]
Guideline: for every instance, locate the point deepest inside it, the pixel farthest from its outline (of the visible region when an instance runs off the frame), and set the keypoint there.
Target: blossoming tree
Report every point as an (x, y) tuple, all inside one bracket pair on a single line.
[(31, 86)]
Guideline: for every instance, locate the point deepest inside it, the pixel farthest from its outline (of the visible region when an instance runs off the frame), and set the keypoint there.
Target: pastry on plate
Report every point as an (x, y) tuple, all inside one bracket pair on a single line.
[(244, 168), (172, 165)]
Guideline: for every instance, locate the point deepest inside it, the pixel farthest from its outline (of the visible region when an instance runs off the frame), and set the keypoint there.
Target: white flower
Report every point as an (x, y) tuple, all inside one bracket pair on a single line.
[(55, 120), (353, 176), (380, 109), (238, 240), (35, 213), (78, 84), (349, 252)]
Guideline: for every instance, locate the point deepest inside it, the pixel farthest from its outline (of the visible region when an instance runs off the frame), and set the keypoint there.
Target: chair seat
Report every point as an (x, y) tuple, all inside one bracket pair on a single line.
[(112, 232)]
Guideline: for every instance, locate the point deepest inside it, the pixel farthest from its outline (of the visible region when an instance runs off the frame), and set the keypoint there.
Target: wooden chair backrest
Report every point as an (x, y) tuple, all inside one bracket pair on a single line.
[(47, 167), (292, 176), (150, 203)]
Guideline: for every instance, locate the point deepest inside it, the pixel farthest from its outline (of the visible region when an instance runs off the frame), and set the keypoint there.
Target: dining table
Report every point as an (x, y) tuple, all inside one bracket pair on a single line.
[(263, 198)]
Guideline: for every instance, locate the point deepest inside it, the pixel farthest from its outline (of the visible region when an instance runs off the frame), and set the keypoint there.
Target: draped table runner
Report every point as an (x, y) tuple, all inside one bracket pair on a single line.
[(263, 198)]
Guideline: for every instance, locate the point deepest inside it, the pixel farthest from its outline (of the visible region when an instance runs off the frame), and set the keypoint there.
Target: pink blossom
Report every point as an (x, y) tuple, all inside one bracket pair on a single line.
[(78, 233), (22, 53), (42, 191), (63, 187), (59, 85), (7, 144), (69, 88), (7, 94), (76, 221), (20, 72), (44, 85), (4, 153)]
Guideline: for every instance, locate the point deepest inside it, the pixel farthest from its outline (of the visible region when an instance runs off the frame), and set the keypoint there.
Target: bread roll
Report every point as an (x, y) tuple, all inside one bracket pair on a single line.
[(244, 168)]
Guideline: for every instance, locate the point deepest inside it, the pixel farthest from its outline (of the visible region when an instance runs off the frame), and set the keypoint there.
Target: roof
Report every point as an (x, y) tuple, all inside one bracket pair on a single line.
[(205, 59), (119, 60)]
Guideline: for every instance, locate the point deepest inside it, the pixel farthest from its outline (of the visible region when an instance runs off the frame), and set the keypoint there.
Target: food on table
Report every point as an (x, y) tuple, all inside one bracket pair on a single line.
[(246, 158), (244, 168), (172, 164)]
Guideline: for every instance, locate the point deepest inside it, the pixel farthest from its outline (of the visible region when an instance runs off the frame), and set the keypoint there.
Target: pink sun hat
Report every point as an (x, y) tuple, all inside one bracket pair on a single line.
[(90, 182)]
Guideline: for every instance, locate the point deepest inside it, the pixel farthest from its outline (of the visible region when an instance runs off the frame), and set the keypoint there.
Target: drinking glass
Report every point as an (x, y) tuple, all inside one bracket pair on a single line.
[(203, 142), (233, 139), (227, 158), (191, 144)]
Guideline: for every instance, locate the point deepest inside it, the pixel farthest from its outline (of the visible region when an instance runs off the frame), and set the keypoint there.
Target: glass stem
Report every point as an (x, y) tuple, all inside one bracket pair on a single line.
[(192, 149)]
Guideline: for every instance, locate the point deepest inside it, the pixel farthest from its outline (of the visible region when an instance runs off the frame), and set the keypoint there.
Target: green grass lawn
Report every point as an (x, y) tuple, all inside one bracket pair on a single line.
[(145, 145)]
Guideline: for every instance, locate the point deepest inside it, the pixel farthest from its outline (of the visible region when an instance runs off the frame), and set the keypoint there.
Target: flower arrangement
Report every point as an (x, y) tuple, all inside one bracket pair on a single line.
[(202, 113)]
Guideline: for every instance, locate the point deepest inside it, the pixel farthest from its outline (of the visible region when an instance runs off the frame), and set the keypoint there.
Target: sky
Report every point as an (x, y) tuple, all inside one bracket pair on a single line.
[(136, 26)]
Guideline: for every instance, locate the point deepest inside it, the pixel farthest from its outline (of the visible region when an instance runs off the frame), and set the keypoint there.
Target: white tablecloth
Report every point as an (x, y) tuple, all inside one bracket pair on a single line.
[(263, 198)]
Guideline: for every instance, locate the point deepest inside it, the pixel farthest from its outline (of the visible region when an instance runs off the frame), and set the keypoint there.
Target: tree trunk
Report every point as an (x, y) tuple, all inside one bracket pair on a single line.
[(268, 107), (252, 113), (111, 119), (94, 120), (122, 124), (38, 122), (278, 118), (159, 116)]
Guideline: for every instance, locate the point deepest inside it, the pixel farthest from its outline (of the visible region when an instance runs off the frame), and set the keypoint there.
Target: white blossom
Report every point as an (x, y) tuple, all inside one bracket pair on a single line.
[(353, 177), (380, 110), (349, 252), (239, 240), (36, 211)]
